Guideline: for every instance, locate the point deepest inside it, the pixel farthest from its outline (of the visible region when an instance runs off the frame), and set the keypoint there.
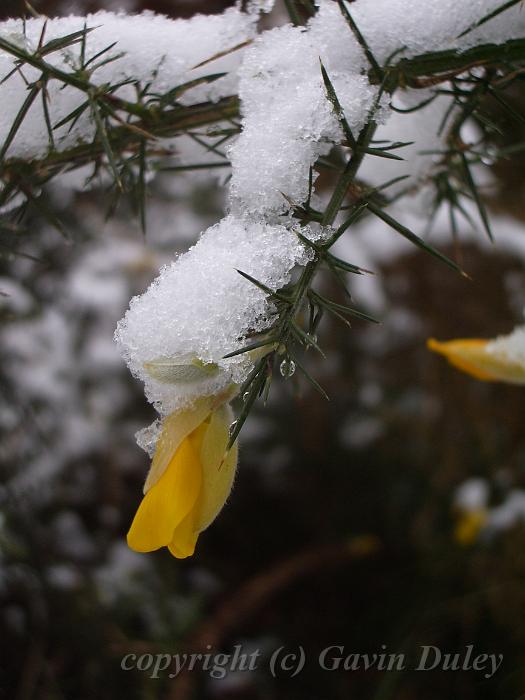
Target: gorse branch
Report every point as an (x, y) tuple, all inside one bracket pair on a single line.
[(123, 129), (131, 136), (425, 71)]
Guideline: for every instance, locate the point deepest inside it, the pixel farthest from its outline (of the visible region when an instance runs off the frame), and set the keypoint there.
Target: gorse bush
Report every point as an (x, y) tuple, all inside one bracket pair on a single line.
[(385, 99), (348, 163)]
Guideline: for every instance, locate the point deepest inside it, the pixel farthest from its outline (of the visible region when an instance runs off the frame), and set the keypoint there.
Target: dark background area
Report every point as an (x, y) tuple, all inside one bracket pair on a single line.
[(171, 8)]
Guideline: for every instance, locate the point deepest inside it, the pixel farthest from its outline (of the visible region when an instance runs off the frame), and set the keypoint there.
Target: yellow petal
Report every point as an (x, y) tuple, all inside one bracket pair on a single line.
[(168, 502), (209, 441), (469, 526), (471, 356), (175, 428), (184, 538), (218, 467)]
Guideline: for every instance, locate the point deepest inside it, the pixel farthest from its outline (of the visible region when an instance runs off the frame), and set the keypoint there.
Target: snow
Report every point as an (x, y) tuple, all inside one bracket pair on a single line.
[(64, 577), (13, 297), (122, 574), (71, 537), (174, 337), (66, 372), (511, 346), (288, 120), (421, 26), (420, 130), (261, 5), (200, 308), (147, 437), (150, 50), (472, 494), (508, 513), (36, 350)]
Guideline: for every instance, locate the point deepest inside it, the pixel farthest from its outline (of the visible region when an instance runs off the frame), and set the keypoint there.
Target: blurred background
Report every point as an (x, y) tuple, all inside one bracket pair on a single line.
[(390, 517)]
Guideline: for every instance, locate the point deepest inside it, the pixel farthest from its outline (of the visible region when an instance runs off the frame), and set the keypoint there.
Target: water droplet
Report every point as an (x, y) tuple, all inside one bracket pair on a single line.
[(313, 337), (245, 396), (287, 368), (232, 428)]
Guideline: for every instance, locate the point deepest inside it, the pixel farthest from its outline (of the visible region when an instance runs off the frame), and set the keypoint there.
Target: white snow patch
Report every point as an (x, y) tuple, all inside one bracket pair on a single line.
[(201, 307)]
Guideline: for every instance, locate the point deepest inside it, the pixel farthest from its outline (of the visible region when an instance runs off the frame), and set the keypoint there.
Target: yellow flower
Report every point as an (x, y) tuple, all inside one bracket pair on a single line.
[(191, 477), (469, 525), (475, 357)]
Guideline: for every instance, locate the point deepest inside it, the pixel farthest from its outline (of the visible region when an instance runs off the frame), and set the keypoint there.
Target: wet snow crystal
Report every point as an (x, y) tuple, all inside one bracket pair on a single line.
[(147, 48), (288, 120), (511, 346), (200, 308)]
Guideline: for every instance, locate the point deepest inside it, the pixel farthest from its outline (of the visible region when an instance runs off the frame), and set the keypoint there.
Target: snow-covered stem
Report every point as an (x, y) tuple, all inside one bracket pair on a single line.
[(125, 126)]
